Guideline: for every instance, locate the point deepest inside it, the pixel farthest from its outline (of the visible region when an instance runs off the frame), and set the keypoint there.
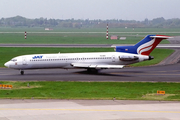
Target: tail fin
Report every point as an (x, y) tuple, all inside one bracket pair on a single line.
[(145, 46)]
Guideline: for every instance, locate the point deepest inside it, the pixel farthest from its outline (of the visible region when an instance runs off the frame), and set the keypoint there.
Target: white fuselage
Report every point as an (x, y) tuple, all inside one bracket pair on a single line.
[(43, 61)]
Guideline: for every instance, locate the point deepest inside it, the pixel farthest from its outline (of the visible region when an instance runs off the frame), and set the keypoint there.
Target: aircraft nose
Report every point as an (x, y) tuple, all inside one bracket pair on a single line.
[(7, 64)]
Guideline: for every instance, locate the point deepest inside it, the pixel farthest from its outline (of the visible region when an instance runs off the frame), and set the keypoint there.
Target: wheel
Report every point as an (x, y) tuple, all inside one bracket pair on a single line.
[(22, 72)]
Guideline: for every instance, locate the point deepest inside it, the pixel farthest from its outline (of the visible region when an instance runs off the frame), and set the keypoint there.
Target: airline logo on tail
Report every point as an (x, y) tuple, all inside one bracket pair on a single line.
[(148, 47), (145, 47)]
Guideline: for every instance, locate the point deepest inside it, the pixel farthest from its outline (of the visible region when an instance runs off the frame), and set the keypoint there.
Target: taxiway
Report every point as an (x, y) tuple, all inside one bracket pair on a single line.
[(160, 73)]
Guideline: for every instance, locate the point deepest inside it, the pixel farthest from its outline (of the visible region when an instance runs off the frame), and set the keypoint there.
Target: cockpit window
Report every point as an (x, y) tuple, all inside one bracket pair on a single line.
[(14, 60)]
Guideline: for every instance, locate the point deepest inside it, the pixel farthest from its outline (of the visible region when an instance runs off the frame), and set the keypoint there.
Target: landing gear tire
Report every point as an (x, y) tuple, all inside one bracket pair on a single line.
[(22, 72)]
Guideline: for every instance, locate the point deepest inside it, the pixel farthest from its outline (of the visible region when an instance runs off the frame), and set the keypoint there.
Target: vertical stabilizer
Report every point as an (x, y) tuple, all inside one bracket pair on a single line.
[(145, 46)]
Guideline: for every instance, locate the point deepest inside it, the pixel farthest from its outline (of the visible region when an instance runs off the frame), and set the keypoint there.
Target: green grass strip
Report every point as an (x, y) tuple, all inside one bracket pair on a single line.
[(91, 90), (66, 38)]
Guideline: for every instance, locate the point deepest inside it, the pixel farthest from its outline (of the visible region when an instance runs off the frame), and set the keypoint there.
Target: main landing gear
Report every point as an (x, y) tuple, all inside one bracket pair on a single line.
[(22, 72)]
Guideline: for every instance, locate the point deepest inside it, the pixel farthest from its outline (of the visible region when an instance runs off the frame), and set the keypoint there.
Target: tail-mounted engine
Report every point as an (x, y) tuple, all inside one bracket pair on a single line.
[(128, 58), (134, 58)]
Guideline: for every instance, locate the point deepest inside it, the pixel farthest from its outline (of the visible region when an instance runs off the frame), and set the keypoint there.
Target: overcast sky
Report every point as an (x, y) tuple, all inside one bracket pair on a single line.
[(91, 9)]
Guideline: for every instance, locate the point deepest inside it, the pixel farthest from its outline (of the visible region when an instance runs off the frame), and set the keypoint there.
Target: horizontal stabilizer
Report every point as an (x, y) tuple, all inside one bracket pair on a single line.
[(161, 36), (96, 66)]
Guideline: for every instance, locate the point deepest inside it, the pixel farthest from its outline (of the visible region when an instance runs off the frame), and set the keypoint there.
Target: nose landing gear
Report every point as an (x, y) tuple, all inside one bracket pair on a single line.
[(21, 72)]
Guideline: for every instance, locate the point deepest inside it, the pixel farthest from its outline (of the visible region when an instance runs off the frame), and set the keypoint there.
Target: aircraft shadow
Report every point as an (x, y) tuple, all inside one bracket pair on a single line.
[(100, 74)]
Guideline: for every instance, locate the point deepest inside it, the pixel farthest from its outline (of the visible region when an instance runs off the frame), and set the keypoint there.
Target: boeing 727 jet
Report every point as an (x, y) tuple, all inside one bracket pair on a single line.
[(123, 55)]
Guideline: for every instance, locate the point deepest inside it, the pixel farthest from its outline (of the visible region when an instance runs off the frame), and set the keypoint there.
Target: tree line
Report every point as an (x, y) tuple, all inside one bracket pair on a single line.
[(19, 21)]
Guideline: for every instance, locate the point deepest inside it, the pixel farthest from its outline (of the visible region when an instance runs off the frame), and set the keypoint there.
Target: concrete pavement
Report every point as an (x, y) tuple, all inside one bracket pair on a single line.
[(88, 110)]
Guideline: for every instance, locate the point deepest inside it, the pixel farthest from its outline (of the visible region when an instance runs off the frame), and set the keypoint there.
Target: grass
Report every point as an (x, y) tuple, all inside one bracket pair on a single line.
[(7, 54), (91, 90), (80, 38), (64, 38)]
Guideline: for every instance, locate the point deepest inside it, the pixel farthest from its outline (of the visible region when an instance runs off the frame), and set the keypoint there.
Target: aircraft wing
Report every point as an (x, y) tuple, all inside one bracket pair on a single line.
[(86, 65)]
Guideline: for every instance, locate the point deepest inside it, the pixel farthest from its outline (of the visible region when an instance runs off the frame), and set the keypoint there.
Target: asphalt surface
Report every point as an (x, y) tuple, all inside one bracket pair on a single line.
[(162, 73)]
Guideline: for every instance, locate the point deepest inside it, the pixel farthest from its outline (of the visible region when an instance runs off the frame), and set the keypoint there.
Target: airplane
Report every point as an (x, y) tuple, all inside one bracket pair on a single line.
[(123, 55)]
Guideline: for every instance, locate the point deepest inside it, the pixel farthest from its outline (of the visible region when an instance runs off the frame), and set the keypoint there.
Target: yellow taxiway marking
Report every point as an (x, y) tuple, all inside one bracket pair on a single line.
[(100, 110)]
